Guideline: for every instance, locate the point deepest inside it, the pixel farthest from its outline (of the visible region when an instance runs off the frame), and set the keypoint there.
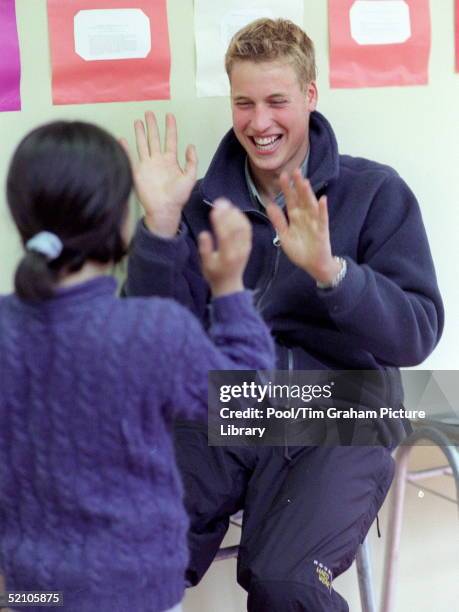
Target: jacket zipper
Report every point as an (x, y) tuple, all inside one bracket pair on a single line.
[(276, 242), (291, 362), (270, 281)]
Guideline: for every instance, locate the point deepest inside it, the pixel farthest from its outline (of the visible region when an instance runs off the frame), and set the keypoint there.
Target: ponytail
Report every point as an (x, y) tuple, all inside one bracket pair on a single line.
[(34, 279)]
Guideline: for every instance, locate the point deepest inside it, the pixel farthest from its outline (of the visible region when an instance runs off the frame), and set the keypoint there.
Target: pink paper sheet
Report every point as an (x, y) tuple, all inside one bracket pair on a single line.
[(76, 81), (10, 66), (355, 65)]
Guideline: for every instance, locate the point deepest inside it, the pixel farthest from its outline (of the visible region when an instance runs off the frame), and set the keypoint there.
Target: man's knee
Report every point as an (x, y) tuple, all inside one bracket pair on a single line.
[(287, 596)]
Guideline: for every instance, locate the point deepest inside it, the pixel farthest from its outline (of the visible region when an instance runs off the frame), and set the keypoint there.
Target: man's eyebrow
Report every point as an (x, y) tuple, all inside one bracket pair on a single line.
[(273, 96), (240, 97)]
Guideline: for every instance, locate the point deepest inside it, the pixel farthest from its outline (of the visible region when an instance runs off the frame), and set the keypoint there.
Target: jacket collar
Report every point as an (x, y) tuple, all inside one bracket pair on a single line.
[(226, 173)]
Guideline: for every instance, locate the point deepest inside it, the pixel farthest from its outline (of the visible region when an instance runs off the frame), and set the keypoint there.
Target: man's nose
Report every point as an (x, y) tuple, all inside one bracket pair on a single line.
[(261, 119)]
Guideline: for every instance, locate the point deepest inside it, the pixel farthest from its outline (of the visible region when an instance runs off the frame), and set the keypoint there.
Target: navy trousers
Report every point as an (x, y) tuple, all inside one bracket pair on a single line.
[(306, 511)]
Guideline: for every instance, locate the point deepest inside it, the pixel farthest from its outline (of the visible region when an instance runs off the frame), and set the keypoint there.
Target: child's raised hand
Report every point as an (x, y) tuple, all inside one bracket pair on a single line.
[(223, 267), (162, 187)]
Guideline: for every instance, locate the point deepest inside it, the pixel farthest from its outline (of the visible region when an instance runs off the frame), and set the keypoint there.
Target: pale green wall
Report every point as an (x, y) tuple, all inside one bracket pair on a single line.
[(414, 129)]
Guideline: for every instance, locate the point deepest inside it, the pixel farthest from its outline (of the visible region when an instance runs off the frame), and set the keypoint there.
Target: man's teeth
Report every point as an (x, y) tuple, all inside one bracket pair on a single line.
[(265, 142)]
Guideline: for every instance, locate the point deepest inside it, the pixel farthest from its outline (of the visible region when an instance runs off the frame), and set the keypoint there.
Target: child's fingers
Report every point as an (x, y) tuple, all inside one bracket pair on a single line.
[(231, 228), (205, 246), (218, 216)]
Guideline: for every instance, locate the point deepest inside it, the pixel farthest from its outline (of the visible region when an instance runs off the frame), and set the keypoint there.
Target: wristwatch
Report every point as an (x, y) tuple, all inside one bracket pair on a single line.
[(338, 278)]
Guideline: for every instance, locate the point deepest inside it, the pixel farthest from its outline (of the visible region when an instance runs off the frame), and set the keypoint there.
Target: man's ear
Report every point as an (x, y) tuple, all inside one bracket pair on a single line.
[(312, 96)]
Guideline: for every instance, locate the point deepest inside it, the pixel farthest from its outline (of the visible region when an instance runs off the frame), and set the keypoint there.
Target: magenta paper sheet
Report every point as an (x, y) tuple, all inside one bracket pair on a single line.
[(10, 67)]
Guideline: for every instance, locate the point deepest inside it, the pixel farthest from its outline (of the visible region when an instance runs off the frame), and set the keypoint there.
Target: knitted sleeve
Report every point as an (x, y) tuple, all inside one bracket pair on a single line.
[(238, 340)]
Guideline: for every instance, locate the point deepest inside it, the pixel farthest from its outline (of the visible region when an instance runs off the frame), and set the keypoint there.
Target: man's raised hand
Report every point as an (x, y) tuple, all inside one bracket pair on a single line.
[(162, 186), (304, 236)]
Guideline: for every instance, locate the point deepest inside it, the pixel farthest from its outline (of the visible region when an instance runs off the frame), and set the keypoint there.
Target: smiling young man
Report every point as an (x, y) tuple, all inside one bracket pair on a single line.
[(271, 118), (342, 273)]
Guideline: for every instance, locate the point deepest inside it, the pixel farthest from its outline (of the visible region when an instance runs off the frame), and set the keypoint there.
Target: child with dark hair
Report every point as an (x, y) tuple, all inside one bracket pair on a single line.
[(91, 499)]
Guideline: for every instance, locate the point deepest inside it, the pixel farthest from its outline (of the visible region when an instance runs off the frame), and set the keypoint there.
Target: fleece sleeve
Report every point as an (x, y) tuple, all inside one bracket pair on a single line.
[(166, 268), (389, 303)]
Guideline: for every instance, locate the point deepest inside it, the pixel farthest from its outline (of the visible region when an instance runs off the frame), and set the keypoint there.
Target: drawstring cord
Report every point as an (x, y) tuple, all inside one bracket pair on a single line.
[(377, 526), (286, 451), (290, 364)]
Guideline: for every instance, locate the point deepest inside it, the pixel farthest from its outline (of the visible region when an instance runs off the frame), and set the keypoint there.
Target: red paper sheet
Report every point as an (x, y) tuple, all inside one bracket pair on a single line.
[(355, 65), (10, 67), (77, 81)]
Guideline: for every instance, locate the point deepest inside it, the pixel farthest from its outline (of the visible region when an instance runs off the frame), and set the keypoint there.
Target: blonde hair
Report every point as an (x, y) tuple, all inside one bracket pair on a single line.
[(266, 40)]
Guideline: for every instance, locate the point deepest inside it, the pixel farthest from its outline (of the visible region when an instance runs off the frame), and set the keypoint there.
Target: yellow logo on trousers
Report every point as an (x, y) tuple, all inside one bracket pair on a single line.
[(324, 574)]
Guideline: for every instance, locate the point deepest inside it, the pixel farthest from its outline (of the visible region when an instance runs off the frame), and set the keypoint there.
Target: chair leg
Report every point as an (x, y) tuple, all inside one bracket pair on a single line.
[(394, 528), (364, 573), (447, 446), (228, 552), (398, 496)]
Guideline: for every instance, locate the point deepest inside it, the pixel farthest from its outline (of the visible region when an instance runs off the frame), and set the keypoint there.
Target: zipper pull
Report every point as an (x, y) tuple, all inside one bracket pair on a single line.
[(276, 241)]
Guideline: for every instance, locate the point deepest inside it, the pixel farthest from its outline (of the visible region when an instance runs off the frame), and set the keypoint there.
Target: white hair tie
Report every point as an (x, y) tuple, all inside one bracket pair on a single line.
[(46, 243)]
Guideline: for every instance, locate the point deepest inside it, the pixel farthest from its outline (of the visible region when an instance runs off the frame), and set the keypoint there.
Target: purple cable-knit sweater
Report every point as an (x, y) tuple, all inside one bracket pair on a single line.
[(90, 495)]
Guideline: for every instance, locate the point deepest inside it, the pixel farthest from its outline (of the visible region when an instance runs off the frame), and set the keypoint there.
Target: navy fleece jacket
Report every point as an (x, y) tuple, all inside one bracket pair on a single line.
[(386, 313)]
